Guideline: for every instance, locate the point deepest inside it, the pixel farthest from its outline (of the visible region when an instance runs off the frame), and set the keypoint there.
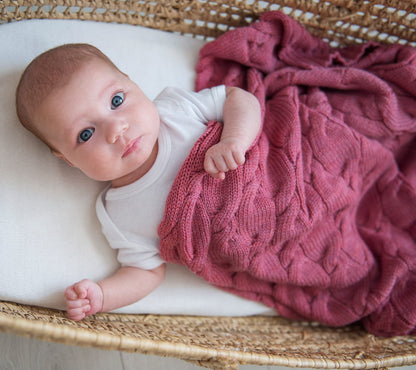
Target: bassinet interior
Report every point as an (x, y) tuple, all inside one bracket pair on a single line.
[(224, 342)]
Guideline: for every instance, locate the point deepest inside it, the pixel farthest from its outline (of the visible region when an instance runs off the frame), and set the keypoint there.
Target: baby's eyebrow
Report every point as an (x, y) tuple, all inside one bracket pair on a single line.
[(74, 128), (109, 88)]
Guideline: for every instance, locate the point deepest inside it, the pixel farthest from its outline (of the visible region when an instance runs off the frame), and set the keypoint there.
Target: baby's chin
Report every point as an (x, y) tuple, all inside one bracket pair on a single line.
[(97, 177)]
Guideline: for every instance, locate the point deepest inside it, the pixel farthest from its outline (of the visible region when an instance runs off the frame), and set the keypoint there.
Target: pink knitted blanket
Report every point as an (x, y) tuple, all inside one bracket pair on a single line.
[(320, 222)]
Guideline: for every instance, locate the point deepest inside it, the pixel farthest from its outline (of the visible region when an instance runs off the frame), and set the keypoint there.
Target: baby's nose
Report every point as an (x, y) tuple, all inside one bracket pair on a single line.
[(117, 129)]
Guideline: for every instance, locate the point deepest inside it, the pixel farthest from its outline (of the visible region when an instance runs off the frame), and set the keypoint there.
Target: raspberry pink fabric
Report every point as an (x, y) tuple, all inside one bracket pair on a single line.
[(320, 222)]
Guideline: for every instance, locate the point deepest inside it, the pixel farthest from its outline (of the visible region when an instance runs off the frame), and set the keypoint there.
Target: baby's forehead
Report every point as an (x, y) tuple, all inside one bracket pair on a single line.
[(58, 79), (90, 82), (48, 81)]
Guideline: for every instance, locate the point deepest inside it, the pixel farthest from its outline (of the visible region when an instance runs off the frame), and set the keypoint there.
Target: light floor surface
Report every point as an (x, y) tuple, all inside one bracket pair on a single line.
[(19, 353)]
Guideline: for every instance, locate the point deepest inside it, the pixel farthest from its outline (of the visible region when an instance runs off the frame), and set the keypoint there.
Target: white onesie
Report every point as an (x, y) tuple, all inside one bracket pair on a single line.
[(130, 215)]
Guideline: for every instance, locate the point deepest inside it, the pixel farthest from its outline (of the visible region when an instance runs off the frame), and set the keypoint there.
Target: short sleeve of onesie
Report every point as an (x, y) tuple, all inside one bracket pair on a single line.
[(130, 215)]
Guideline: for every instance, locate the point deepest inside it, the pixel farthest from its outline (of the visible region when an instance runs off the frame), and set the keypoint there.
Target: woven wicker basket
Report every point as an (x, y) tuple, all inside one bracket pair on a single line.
[(225, 342)]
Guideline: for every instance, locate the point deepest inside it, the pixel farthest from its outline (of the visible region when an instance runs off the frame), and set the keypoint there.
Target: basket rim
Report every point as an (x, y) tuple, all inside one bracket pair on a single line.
[(64, 334), (340, 21)]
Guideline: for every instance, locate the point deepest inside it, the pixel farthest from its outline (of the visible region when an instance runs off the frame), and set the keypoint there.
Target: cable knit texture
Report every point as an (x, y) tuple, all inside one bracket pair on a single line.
[(320, 222)]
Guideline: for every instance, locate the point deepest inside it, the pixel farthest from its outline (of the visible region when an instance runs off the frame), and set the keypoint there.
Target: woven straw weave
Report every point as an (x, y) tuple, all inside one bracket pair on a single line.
[(339, 21), (225, 342), (216, 342)]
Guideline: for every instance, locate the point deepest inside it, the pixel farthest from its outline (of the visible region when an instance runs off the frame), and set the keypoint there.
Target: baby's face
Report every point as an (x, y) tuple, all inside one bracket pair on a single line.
[(102, 123)]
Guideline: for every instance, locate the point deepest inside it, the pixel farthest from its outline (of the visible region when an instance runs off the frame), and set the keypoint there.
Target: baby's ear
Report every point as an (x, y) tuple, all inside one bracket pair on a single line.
[(61, 156)]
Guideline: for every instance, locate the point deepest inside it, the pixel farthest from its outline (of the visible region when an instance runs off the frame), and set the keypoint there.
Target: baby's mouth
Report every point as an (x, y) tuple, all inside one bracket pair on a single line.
[(131, 146)]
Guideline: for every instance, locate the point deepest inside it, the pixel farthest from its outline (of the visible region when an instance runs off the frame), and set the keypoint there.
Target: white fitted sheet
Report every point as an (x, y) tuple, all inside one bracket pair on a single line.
[(49, 234)]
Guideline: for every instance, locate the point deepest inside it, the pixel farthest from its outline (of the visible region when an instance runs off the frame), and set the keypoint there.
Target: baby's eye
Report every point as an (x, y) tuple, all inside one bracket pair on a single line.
[(117, 100), (85, 135)]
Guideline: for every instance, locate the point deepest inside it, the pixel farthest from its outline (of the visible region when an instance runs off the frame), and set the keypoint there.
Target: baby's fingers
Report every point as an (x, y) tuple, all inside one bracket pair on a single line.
[(239, 158), (70, 293), (78, 313), (211, 168), (217, 162), (232, 160), (79, 303), (82, 288)]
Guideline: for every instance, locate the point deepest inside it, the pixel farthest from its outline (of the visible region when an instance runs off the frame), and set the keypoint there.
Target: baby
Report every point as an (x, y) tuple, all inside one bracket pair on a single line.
[(95, 118)]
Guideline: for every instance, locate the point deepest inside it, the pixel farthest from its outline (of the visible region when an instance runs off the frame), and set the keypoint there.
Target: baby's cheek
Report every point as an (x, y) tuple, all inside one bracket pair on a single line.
[(99, 169)]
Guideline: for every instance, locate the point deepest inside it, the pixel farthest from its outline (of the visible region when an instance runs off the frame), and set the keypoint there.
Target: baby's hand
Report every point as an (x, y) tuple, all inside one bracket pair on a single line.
[(224, 156), (83, 299)]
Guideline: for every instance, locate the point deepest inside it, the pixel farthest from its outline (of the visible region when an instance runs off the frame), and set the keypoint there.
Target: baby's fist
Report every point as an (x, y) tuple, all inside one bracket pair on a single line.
[(224, 156), (83, 299)]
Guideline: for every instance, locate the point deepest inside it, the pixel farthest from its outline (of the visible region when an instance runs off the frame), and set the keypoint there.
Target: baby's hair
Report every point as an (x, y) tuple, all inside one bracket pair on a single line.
[(48, 71)]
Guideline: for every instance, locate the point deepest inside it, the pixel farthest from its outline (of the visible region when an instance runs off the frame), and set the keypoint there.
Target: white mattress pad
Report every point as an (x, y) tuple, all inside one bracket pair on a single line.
[(49, 233)]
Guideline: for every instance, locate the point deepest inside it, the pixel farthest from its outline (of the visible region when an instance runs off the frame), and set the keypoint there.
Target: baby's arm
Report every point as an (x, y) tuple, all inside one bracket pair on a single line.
[(242, 120), (126, 286)]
